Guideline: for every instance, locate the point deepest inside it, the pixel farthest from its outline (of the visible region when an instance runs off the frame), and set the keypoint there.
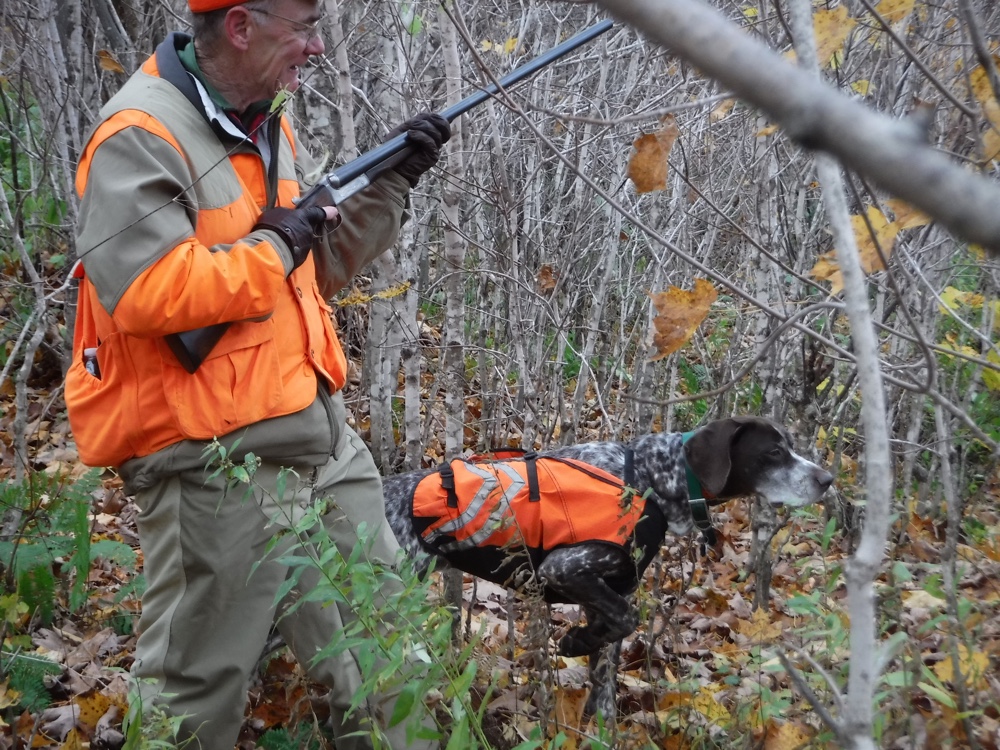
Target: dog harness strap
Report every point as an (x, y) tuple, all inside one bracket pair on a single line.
[(699, 506), (448, 483), (695, 491), (702, 519), (531, 466)]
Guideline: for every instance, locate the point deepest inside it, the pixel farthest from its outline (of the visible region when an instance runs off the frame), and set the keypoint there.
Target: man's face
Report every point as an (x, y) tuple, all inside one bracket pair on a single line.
[(288, 35)]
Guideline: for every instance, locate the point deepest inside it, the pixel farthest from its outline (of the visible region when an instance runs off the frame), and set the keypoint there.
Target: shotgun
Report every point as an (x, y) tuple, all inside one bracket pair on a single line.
[(192, 347)]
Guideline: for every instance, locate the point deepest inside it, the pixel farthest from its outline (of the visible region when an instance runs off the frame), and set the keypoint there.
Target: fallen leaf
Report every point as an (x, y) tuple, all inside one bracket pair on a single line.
[(972, 664), (785, 735)]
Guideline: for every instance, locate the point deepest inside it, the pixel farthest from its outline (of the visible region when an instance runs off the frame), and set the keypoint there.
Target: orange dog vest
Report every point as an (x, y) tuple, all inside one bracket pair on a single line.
[(500, 516)]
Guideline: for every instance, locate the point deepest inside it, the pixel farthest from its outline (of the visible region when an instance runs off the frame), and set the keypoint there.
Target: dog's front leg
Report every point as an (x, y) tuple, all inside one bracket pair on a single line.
[(576, 575), (603, 667)]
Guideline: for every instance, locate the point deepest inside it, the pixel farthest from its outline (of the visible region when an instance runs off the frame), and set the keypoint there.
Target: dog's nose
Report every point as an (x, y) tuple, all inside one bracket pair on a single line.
[(824, 479)]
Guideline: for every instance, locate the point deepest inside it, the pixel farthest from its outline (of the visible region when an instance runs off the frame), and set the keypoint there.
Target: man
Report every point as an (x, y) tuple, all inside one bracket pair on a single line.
[(187, 220)]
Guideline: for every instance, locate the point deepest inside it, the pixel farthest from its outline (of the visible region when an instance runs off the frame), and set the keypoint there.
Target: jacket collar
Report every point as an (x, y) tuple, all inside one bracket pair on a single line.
[(170, 63)]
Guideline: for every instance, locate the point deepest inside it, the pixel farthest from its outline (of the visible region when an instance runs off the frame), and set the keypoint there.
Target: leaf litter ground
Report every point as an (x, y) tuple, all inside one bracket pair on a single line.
[(702, 671)]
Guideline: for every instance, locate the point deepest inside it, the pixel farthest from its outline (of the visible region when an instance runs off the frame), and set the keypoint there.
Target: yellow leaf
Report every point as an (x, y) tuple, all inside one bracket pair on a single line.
[(759, 627), (885, 234), (73, 741), (831, 28), (991, 378), (704, 702), (750, 12), (827, 269), (972, 664), (991, 144), (647, 167), (770, 129), (894, 10), (982, 89), (486, 45), (723, 110), (8, 696), (510, 45), (907, 217), (678, 315), (93, 706), (107, 61), (952, 298), (862, 87)]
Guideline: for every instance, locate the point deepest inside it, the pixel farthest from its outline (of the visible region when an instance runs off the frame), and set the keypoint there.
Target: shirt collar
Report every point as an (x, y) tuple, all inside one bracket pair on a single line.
[(216, 104)]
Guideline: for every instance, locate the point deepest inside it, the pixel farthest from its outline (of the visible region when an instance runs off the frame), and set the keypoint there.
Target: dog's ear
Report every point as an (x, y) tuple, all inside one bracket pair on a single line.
[(707, 453)]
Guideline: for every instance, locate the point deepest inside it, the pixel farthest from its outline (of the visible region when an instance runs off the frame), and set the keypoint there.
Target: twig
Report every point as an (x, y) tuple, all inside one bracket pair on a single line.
[(825, 716), (960, 105)]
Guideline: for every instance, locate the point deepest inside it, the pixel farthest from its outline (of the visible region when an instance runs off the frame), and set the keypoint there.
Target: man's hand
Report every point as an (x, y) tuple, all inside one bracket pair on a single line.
[(425, 134), (297, 227)]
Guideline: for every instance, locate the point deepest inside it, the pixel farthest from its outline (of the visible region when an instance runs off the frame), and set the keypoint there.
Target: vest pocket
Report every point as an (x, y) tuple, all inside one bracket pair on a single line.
[(238, 384), (97, 409)]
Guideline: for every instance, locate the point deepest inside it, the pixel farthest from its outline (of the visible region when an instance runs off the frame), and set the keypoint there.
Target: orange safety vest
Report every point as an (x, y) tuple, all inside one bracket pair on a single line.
[(144, 400), (500, 516)]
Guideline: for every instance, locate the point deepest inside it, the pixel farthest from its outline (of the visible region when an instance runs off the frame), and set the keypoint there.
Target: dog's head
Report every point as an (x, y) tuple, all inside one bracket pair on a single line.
[(747, 455)]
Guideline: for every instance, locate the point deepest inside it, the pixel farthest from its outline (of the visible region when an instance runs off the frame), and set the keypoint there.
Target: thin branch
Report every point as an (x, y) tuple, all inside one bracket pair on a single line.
[(803, 687), (935, 81)]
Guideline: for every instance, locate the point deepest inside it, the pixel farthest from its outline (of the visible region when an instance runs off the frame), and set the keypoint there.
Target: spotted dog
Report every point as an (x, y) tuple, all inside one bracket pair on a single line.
[(658, 478)]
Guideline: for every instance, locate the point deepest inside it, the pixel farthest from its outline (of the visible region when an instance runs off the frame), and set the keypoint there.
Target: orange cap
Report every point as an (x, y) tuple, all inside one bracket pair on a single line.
[(204, 6)]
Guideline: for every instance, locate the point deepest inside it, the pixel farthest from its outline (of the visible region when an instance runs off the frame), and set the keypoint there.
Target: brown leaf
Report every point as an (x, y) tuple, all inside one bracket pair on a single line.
[(569, 705), (547, 278), (648, 166), (57, 721), (785, 735), (678, 314)]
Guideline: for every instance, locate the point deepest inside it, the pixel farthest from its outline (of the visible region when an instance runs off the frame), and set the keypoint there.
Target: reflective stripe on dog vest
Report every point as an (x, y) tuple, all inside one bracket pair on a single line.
[(537, 503)]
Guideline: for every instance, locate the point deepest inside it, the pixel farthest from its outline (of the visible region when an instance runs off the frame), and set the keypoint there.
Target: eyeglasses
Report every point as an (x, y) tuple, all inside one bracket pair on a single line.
[(310, 29)]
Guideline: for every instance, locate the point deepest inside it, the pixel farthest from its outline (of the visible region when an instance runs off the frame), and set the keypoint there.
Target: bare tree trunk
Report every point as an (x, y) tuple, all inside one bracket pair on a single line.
[(868, 657), (453, 343)]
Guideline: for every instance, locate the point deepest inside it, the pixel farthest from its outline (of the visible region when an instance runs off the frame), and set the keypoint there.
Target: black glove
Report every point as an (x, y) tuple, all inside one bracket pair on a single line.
[(296, 226), (425, 134)]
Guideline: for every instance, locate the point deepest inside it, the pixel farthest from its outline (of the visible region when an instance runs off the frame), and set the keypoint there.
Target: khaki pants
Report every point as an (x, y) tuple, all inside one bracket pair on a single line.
[(207, 610)]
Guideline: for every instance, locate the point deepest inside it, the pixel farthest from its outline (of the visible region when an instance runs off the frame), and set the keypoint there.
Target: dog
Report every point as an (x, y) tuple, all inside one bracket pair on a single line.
[(653, 482)]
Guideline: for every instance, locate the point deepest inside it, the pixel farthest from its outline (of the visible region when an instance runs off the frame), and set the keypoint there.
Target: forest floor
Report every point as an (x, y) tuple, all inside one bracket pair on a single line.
[(703, 671)]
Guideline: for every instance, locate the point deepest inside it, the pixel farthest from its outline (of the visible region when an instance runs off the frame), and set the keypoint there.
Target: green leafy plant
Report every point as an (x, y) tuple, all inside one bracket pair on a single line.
[(26, 675), (51, 554), (414, 660)]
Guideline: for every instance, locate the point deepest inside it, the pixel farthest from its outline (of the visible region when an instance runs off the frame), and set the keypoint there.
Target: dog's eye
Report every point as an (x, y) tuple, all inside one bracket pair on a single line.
[(776, 453)]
